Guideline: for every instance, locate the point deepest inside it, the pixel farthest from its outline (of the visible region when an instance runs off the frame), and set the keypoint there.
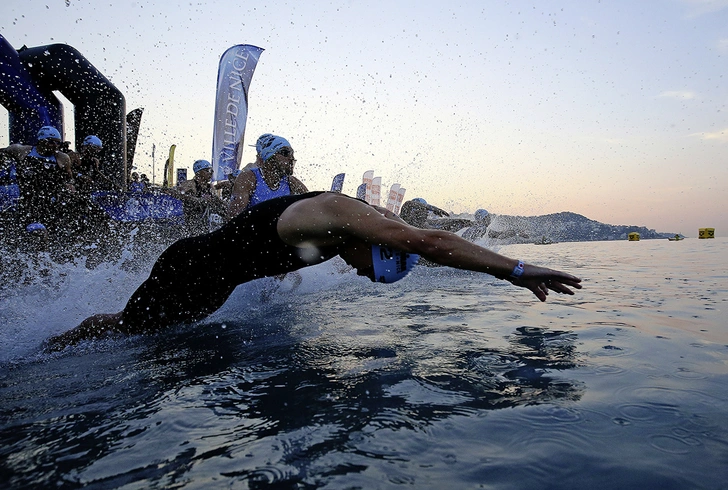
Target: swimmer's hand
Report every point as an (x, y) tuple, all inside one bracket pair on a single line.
[(540, 279)]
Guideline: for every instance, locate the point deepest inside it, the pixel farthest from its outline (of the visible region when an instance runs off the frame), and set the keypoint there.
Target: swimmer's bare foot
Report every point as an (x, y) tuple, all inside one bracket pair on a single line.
[(93, 327)]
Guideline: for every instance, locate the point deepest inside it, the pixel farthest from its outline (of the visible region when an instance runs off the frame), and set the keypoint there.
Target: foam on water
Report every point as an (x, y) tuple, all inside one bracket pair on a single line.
[(41, 298)]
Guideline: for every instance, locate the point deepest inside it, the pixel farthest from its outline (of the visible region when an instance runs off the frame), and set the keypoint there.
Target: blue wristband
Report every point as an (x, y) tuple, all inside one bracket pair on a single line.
[(517, 270)]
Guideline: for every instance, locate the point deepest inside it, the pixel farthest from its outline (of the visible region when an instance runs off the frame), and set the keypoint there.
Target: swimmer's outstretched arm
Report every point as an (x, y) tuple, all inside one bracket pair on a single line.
[(333, 218), (449, 249), (91, 328)]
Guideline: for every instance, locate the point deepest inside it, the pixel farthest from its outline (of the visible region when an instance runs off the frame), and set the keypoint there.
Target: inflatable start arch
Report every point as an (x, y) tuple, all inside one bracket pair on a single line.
[(28, 78)]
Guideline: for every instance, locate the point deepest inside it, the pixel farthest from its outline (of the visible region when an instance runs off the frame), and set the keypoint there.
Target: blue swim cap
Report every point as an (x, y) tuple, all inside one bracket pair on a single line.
[(419, 200), (271, 145), (47, 132), (263, 139), (92, 140), (35, 227), (481, 214), (391, 265), (200, 165)]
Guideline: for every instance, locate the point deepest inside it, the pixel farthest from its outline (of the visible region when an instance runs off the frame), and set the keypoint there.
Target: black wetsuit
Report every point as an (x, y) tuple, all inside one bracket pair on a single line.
[(195, 276), (88, 175), (41, 182)]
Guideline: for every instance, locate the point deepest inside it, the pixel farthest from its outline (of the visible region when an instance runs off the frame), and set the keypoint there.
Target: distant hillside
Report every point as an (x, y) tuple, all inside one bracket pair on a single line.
[(558, 227), (572, 227)]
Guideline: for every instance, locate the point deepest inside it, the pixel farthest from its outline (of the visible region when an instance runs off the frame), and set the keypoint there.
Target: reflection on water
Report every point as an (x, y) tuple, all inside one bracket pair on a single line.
[(156, 408), (446, 379)]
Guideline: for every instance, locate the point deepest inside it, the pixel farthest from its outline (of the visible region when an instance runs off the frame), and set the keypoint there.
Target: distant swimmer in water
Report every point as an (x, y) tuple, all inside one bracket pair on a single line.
[(196, 275), (416, 211), (481, 228)]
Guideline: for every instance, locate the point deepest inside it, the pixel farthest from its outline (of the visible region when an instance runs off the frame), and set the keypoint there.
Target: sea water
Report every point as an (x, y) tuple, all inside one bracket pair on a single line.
[(447, 379)]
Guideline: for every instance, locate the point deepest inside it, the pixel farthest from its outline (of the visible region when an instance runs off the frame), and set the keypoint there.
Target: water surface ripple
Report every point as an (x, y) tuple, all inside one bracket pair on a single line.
[(447, 379)]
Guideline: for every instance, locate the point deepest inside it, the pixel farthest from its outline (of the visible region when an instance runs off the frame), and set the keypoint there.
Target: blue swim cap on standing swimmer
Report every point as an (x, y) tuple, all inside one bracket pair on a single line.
[(391, 265), (481, 214), (271, 145), (35, 227), (48, 132), (263, 139), (92, 140), (200, 165)]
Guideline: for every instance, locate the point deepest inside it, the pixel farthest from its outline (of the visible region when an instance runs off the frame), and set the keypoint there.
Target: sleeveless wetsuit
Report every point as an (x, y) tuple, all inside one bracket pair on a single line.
[(195, 276), (263, 192)]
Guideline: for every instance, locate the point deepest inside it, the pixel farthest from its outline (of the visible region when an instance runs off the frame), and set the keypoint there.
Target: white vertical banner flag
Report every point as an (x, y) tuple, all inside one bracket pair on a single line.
[(400, 198), (367, 181), (237, 65), (392, 198), (376, 191)]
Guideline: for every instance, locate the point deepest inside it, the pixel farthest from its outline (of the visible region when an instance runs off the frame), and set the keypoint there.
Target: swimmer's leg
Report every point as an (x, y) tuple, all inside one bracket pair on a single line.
[(91, 328)]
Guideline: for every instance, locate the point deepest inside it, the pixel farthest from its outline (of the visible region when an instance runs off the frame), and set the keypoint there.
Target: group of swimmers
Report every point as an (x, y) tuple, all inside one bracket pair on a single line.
[(47, 189), (208, 205)]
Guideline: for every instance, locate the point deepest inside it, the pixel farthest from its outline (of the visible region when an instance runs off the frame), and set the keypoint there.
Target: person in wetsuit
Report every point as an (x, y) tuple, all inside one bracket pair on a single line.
[(416, 212), (44, 178), (273, 177), (198, 200), (226, 186), (195, 276), (87, 167), (136, 185)]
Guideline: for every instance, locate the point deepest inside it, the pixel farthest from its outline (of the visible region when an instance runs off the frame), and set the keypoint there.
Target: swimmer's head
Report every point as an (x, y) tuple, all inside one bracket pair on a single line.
[(379, 263), (391, 265), (272, 145), (49, 141), (200, 165), (49, 132), (37, 237), (481, 215), (93, 141), (35, 227), (419, 200)]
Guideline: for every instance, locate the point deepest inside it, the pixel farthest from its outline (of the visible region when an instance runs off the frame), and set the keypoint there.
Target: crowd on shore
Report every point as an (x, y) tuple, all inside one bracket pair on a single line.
[(48, 194)]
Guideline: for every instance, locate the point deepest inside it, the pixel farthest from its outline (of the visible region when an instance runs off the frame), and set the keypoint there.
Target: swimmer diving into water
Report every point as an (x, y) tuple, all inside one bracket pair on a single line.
[(195, 276)]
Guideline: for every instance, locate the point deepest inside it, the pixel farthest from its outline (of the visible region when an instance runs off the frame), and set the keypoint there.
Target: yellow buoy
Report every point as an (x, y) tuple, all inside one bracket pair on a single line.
[(706, 233), (634, 237)]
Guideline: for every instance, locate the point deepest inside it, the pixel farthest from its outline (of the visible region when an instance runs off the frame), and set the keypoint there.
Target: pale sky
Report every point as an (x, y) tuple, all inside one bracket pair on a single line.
[(611, 109)]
